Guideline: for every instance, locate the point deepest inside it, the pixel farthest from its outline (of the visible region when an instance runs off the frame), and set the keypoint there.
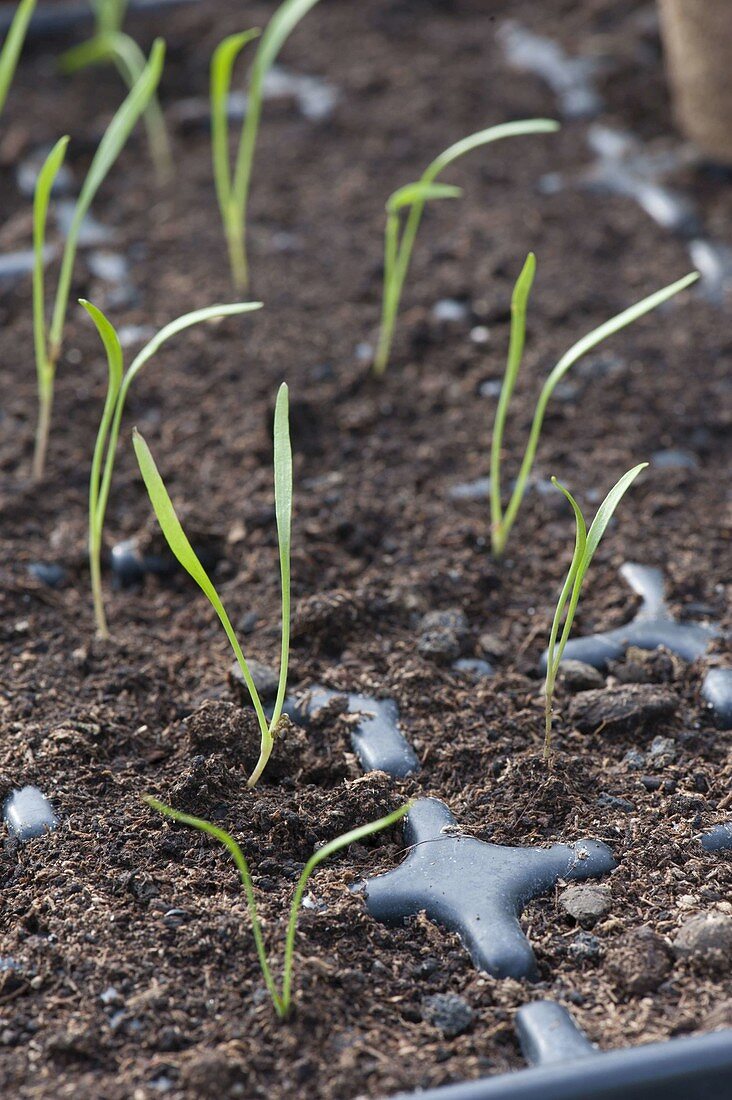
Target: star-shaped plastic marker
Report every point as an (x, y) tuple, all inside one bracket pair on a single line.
[(653, 626), (477, 889)]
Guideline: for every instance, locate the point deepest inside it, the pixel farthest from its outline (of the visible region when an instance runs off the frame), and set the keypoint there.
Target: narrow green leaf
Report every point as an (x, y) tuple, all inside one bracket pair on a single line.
[(41, 199), (109, 149), (96, 507), (519, 306), (283, 512), (222, 66), (185, 554), (605, 513), (197, 316), (485, 137), (615, 324), (13, 45), (420, 192)]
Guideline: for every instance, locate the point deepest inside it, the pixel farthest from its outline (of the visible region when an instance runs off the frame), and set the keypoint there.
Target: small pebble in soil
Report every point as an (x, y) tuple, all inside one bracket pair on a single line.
[(442, 635), (651, 628), (639, 961), (578, 676), (475, 888), (635, 760), (449, 1013), (717, 693), (612, 802), (266, 681), (48, 573), (475, 668), (450, 311), (706, 937), (470, 490), (662, 752), (16, 265), (586, 904), (549, 1036), (28, 813), (674, 460), (584, 947), (718, 839), (628, 709)]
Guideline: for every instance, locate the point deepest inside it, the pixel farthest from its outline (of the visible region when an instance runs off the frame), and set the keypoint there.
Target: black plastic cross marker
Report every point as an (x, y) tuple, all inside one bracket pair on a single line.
[(475, 888), (653, 626), (376, 738)]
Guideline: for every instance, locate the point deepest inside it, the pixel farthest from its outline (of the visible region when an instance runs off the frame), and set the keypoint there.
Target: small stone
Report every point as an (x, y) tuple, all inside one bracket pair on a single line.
[(662, 752), (651, 782), (586, 903), (29, 814), (441, 645), (635, 760), (717, 693), (448, 1012), (492, 645), (266, 681), (452, 618), (578, 676), (450, 311), (612, 802), (47, 573), (584, 948), (474, 668), (639, 961), (706, 937), (626, 709)]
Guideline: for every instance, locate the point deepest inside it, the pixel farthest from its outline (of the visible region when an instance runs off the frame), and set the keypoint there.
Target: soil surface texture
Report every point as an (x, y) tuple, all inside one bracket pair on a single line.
[(127, 965)]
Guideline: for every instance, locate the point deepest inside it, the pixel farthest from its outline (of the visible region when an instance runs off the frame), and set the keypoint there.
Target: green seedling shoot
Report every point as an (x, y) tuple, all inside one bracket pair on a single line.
[(105, 449), (585, 545), (398, 248), (502, 521), (183, 551), (48, 339), (232, 192), (13, 45), (281, 999), (109, 44)]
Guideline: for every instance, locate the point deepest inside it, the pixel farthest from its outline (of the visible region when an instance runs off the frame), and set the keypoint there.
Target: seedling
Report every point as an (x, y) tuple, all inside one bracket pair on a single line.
[(183, 551), (233, 194), (412, 197), (118, 386), (585, 545), (108, 44), (502, 522), (12, 46), (282, 1001), (48, 340)]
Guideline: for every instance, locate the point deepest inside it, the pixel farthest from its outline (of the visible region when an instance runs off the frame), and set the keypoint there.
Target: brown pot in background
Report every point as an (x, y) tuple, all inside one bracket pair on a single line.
[(698, 43)]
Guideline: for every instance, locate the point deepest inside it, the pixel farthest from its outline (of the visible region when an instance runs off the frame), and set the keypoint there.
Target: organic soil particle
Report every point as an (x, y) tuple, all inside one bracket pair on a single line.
[(116, 897)]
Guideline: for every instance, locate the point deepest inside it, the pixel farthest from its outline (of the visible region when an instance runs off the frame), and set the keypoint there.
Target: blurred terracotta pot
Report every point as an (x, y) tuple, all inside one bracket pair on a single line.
[(698, 43)]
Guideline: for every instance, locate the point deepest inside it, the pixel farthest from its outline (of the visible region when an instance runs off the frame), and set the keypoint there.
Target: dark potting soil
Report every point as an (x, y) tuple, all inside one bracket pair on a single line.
[(131, 969)]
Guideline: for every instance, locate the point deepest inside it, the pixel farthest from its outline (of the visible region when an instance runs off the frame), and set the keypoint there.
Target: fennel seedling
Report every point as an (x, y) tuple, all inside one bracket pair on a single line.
[(183, 551), (48, 339), (13, 45), (105, 448), (398, 249), (585, 545), (233, 193), (282, 1000), (502, 521)]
